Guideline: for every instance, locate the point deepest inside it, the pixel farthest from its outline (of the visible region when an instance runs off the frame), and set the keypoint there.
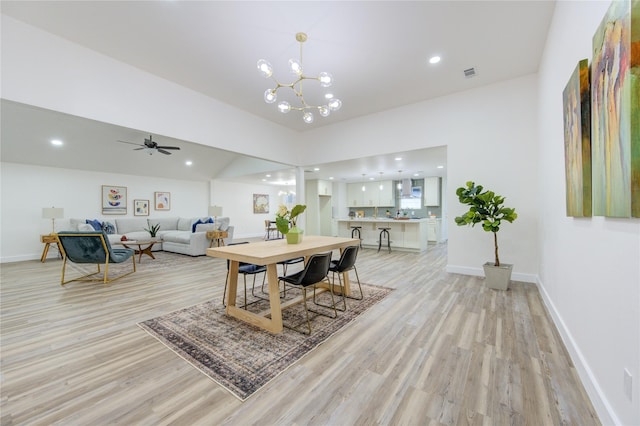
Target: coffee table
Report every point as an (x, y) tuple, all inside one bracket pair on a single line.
[(141, 249)]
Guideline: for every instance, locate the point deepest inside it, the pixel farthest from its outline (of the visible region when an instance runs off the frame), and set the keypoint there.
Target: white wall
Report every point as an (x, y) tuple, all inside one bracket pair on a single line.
[(589, 267), (44, 70), (236, 200), (491, 138), (27, 189)]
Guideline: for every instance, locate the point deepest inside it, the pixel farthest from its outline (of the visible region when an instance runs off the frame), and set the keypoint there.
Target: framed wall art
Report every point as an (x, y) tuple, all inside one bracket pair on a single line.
[(141, 207), (615, 112), (577, 142), (114, 199), (260, 203), (162, 200)]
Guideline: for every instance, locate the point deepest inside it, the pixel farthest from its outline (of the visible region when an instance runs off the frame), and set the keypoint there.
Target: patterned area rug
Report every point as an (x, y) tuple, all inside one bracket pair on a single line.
[(241, 357)]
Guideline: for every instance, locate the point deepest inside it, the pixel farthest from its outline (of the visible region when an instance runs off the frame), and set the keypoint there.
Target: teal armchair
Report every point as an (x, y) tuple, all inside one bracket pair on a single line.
[(92, 247)]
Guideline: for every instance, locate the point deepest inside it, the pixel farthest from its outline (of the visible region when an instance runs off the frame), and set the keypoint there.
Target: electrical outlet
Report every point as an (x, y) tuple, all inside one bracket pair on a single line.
[(628, 384)]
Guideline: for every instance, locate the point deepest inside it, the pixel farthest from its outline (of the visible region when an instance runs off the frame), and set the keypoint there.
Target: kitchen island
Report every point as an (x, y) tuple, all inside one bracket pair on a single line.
[(406, 235)]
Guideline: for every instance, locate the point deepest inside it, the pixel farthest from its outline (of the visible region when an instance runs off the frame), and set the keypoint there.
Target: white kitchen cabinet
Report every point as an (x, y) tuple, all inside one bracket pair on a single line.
[(372, 196), (432, 191), (434, 230), (324, 187)]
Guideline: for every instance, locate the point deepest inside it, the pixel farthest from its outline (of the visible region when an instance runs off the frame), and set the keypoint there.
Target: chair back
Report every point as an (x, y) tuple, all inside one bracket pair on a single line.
[(84, 247), (347, 259), (240, 264), (316, 269)]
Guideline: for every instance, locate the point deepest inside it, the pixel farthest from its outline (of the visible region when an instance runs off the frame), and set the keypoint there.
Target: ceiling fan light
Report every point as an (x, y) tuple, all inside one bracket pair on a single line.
[(324, 111), (335, 104), (284, 107), (307, 117), (270, 96), (326, 79), (265, 68), (296, 67)]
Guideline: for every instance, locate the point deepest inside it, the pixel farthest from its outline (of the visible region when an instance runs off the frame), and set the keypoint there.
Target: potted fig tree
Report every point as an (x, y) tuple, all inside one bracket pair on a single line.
[(486, 208)]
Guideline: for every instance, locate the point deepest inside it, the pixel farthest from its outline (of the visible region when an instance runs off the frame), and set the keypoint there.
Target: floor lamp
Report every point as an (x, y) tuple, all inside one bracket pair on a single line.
[(52, 213)]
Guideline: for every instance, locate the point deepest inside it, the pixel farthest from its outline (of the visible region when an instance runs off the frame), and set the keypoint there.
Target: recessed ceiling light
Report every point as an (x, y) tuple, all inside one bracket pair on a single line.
[(268, 175), (264, 180), (188, 162), (416, 174), (398, 158), (441, 167), (434, 59), (330, 177), (315, 169), (328, 96), (370, 178), (56, 142)]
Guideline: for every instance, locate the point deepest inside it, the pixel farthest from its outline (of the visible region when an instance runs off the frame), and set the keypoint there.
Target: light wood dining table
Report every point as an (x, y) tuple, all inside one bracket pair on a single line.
[(269, 253)]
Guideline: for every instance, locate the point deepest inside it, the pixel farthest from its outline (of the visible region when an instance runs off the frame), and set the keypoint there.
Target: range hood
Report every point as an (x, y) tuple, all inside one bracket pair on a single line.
[(406, 188)]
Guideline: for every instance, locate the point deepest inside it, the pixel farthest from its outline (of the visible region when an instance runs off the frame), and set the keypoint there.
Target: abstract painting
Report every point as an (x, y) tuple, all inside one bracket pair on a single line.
[(162, 200), (615, 112), (260, 203), (577, 141), (114, 199), (141, 207)]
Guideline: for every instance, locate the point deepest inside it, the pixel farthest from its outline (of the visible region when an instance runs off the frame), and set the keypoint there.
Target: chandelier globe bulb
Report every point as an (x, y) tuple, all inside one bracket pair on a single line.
[(284, 107), (307, 117), (295, 66), (270, 96), (326, 79), (265, 68), (324, 110), (335, 104)]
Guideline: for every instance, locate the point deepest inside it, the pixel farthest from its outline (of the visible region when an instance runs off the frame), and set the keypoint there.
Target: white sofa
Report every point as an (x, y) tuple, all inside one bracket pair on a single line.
[(176, 234)]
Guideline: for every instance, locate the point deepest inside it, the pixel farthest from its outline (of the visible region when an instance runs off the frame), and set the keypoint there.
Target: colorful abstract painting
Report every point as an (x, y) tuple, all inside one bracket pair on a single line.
[(615, 112), (577, 141), (114, 199)]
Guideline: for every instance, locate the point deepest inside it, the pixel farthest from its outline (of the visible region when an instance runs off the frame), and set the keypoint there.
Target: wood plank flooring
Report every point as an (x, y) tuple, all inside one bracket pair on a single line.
[(442, 349)]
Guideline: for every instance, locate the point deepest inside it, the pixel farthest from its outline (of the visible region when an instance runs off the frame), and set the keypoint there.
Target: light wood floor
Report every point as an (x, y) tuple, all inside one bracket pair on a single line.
[(442, 349)]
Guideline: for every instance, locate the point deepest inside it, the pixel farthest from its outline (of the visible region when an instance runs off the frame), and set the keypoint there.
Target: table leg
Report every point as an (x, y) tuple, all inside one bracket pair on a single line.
[(45, 252), (273, 324)]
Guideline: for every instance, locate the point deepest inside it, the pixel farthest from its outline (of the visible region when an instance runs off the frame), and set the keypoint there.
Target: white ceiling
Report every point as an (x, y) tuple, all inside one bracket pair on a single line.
[(377, 52)]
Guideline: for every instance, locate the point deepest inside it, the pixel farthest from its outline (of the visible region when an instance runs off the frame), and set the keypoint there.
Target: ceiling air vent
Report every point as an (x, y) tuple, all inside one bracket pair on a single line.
[(470, 72)]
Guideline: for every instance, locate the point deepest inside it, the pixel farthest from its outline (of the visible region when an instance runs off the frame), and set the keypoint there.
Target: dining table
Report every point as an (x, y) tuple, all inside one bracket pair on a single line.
[(269, 253)]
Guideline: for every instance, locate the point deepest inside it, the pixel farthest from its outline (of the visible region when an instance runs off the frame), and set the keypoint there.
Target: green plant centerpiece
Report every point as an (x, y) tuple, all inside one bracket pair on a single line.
[(153, 229), (286, 221), (486, 208)]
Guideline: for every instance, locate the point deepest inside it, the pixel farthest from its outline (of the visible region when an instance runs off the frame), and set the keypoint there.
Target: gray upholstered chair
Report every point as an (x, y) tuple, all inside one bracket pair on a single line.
[(92, 247)]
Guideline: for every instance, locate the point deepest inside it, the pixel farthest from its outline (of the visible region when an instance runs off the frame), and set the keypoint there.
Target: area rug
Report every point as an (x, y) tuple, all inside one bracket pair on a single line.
[(244, 358)]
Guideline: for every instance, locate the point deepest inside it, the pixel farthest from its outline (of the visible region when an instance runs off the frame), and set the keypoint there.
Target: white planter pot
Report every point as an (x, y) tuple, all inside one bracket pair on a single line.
[(497, 277)]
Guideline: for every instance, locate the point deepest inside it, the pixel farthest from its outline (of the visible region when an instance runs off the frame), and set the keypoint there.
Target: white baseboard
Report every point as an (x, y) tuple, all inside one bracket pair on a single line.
[(598, 398), (479, 272)]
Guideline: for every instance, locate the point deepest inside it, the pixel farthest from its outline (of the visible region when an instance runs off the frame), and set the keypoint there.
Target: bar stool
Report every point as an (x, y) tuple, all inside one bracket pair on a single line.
[(384, 233), (355, 230)]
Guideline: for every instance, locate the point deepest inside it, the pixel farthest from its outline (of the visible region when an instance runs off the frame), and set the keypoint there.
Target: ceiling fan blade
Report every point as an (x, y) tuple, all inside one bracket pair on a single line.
[(163, 151), (168, 147), (130, 143), (138, 149)]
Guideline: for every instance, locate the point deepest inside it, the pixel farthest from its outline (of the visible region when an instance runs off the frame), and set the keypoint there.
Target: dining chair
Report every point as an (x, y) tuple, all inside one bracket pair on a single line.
[(244, 269), (346, 263), (269, 227), (315, 271), (92, 247)]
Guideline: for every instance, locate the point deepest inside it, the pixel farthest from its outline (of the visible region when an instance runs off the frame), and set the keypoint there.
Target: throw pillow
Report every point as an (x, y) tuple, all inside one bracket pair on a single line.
[(85, 227), (196, 223), (97, 226), (108, 228)]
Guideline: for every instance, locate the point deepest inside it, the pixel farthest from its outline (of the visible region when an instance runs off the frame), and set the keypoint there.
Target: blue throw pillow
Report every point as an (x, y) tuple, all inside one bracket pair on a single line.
[(108, 228), (196, 223), (95, 223)]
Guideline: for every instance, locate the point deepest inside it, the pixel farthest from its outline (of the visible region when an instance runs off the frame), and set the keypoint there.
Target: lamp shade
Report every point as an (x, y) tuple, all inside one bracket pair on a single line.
[(215, 211), (52, 212)]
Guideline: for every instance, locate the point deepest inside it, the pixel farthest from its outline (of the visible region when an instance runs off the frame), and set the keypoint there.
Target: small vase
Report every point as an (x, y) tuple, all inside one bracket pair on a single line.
[(294, 236)]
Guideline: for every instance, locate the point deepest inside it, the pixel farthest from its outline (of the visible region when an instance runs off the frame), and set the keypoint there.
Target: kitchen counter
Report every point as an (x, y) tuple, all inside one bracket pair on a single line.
[(406, 235)]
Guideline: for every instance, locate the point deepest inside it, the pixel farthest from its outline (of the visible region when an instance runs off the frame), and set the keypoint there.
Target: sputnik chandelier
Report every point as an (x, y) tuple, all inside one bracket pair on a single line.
[(325, 79)]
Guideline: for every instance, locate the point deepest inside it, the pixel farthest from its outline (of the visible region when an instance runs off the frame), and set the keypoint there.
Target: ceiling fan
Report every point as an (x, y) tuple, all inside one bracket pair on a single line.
[(150, 146)]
